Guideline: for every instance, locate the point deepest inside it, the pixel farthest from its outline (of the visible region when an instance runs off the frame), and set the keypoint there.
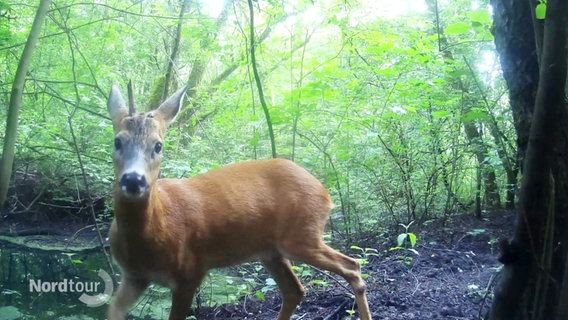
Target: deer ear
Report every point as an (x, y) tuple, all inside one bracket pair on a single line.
[(116, 106), (169, 109)]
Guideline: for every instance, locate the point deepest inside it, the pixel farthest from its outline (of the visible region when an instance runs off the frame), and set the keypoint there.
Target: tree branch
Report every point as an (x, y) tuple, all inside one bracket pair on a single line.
[(258, 81)]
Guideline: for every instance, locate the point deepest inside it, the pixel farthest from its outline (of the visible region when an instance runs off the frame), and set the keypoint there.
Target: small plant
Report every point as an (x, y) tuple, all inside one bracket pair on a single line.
[(406, 241), (269, 285), (303, 271), (363, 255), (351, 312)]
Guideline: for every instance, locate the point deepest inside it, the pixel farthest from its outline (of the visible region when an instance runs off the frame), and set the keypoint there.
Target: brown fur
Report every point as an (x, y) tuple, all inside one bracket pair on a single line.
[(272, 210)]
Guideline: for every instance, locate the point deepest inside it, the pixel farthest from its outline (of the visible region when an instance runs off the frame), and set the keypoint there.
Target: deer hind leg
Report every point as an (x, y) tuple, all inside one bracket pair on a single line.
[(182, 295), (324, 257), (290, 287), (128, 292)]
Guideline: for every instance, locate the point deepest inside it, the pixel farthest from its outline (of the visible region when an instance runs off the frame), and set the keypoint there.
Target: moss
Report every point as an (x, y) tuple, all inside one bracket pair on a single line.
[(156, 96)]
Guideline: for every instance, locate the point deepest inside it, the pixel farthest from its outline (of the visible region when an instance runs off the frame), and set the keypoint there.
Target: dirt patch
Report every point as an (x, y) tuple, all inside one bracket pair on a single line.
[(451, 278)]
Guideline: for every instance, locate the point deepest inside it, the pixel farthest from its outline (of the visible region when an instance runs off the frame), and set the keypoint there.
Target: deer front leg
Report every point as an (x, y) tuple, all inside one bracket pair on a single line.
[(128, 292)]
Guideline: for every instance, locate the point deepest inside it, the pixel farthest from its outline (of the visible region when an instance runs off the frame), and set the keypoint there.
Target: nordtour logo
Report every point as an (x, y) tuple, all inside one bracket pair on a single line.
[(86, 288)]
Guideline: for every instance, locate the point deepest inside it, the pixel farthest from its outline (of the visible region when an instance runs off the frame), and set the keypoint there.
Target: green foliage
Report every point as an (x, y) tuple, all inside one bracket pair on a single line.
[(5, 13), (367, 102), (303, 271), (371, 99)]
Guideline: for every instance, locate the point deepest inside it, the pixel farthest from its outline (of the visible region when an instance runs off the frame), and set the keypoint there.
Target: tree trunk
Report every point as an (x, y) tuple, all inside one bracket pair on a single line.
[(535, 258), (473, 134), (475, 138), (168, 81), (515, 43), (16, 101), (200, 62), (509, 163)]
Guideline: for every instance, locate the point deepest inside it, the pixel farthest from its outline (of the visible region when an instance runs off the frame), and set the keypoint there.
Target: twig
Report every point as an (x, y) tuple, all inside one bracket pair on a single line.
[(90, 202), (337, 310), (332, 277), (76, 233), (487, 291), (259, 82)]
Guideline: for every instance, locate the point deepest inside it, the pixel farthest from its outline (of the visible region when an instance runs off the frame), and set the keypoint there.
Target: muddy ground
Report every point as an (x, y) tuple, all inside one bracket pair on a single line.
[(452, 278)]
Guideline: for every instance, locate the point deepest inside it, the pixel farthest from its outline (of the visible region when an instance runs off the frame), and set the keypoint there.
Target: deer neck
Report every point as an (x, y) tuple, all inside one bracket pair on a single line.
[(138, 216)]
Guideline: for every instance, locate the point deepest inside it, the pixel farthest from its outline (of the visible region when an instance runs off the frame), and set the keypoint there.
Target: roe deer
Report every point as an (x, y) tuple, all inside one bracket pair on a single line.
[(172, 231)]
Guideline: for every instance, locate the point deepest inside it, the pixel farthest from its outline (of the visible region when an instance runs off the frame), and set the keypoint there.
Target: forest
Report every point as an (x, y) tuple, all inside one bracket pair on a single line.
[(438, 128)]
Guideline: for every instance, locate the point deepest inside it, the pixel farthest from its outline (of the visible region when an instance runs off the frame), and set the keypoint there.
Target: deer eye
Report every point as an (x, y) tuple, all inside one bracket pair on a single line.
[(117, 144), (158, 147)]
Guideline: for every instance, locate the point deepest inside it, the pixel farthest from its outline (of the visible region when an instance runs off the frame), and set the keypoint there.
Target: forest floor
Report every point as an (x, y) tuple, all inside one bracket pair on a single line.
[(452, 277)]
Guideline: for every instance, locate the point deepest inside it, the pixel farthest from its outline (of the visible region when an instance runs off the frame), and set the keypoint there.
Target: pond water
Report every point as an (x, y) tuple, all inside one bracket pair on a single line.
[(43, 278)]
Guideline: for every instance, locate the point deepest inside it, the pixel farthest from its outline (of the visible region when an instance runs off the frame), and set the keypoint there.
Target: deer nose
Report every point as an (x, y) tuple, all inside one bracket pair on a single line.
[(133, 183)]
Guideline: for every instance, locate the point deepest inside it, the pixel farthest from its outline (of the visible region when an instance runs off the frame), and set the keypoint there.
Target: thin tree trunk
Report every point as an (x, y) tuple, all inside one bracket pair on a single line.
[(487, 173), (200, 62), (528, 255), (259, 82), (473, 134), (213, 85), (16, 101), (196, 76), (501, 144), (168, 81), (509, 164)]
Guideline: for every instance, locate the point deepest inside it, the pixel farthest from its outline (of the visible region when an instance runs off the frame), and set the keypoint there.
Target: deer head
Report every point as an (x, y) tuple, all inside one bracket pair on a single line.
[(138, 142)]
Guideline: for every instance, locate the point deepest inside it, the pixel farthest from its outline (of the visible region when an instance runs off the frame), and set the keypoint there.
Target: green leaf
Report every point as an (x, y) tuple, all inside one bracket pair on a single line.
[(459, 73), (481, 16), (371, 250), (414, 251), (410, 109), (412, 238), (297, 269), (255, 139), (270, 282), (440, 114), (474, 114), (457, 28), (540, 11), (259, 295), (401, 238), (319, 282)]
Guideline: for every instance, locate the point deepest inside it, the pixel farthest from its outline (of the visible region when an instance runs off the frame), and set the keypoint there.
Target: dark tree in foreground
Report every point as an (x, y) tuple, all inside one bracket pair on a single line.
[(533, 58)]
